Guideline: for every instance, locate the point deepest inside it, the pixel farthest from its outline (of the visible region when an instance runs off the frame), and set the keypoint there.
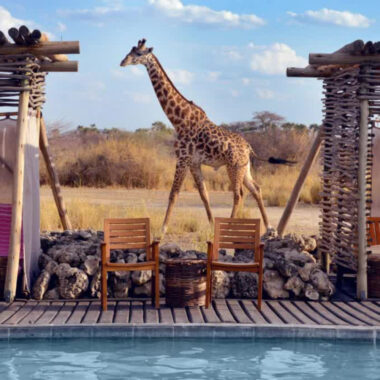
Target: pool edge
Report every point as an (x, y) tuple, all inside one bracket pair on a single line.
[(370, 333)]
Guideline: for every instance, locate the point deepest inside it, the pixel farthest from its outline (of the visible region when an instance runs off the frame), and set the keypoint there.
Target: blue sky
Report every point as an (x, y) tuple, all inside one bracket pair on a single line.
[(229, 57)]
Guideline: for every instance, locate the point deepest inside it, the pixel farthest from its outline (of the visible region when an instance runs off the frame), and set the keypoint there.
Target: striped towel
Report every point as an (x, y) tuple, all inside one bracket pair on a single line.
[(5, 228)]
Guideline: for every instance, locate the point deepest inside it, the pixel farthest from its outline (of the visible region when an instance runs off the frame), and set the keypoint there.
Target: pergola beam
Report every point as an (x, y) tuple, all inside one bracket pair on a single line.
[(68, 66), (42, 48), (307, 72), (341, 59)]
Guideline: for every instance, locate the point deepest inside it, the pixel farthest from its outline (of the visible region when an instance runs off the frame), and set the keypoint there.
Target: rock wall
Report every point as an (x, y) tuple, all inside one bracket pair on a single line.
[(70, 268)]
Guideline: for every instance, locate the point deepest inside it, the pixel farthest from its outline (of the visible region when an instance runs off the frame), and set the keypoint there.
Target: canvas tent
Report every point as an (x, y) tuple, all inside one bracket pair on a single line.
[(23, 68)]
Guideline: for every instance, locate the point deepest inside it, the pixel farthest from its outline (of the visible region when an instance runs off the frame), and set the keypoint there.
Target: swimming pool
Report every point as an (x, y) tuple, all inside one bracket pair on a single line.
[(90, 359)]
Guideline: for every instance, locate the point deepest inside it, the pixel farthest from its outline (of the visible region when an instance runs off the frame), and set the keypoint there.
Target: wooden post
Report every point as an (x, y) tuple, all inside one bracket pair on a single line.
[(53, 177), (313, 153), (361, 283), (17, 199)]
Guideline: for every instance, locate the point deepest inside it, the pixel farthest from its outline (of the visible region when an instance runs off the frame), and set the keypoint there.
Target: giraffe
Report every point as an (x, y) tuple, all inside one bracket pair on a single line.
[(199, 141)]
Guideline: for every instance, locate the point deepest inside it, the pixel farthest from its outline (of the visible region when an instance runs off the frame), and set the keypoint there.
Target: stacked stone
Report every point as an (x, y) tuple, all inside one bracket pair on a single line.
[(70, 269)]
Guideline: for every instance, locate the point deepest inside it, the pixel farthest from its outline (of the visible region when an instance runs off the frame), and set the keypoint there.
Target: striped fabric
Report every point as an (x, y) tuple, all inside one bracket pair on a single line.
[(5, 228)]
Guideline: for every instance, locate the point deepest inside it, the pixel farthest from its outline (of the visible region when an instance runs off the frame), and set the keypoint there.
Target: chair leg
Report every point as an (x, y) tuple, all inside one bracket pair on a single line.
[(208, 286), (153, 287), (104, 289), (260, 288), (157, 286)]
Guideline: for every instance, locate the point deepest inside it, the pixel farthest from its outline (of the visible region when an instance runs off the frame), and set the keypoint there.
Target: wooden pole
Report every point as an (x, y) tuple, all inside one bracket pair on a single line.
[(42, 48), (361, 283), (307, 72), (53, 177), (68, 66), (17, 200), (310, 159), (341, 59)]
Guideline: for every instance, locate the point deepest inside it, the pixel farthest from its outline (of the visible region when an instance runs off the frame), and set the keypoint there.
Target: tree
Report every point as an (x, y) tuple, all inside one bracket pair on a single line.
[(294, 126), (266, 120), (159, 126)]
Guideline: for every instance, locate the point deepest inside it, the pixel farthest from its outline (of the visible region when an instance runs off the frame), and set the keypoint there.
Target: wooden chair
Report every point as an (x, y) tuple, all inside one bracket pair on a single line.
[(234, 234), (373, 226), (126, 234)]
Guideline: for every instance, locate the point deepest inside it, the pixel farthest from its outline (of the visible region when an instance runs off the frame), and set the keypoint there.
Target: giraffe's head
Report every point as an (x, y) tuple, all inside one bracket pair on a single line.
[(138, 55)]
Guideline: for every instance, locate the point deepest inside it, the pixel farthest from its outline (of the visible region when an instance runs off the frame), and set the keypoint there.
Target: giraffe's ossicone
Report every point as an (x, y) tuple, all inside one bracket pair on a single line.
[(198, 140)]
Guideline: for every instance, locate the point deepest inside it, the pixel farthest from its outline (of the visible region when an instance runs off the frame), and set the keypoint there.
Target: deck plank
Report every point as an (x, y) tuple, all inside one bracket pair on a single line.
[(10, 310), (196, 314), (64, 314), (369, 312), (34, 315), (22, 313), (280, 310), (356, 314), (49, 313), (269, 314), (165, 313), (372, 306), (180, 315), (122, 312), (254, 313), (209, 314), (303, 318), (92, 315), (342, 314), (223, 311), (151, 313), (326, 313), (311, 313), (3, 306), (78, 313), (108, 315), (137, 312), (238, 313)]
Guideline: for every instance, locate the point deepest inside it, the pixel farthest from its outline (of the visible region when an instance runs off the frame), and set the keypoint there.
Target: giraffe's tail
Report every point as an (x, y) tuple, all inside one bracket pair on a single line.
[(272, 160)]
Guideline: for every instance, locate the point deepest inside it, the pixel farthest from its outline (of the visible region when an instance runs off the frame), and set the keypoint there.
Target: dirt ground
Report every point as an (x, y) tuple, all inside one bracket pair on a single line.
[(304, 220)]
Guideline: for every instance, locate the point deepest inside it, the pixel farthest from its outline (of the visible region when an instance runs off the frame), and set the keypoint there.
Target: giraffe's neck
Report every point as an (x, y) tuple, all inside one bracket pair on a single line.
[(181, 112)]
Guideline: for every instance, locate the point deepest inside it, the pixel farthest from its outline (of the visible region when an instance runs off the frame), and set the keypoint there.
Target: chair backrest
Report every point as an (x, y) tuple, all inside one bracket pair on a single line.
[(233, 233), (128, 233), (373, 225)]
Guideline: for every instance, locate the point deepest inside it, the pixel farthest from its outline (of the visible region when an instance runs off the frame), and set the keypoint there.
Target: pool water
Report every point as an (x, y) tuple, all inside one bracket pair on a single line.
[(187, 359)]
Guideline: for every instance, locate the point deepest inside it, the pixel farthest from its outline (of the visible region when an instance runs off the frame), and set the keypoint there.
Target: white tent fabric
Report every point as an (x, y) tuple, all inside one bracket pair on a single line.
[(376, 174), (31, 198)]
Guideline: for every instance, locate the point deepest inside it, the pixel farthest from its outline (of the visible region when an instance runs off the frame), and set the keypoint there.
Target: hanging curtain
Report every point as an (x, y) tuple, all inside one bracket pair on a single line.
[(30, 240)]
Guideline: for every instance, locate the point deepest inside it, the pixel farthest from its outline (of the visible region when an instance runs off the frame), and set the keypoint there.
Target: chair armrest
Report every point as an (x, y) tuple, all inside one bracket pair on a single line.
[(210, 250), (155, 246), (104, 251), (261, 250)]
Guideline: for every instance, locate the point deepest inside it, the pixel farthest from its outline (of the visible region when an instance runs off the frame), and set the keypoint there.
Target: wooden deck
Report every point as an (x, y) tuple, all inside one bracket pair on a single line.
[(223, 312)]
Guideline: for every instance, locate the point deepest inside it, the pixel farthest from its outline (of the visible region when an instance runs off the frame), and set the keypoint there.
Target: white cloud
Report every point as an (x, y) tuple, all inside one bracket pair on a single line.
[(179, 76), (136, 71), (139, 97), (264, 93), (234, 93), (61, 26), (213, 76), (7, 21), (203, 15), (246, 81), (333, 17), (232, 54), (275, 59)]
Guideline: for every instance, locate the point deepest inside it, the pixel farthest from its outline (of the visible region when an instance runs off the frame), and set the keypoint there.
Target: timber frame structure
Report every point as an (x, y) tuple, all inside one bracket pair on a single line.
[(23, 68), (351, 88)]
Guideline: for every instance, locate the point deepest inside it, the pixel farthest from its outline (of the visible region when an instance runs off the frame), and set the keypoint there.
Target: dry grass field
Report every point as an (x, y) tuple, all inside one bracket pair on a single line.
[(189, 227)]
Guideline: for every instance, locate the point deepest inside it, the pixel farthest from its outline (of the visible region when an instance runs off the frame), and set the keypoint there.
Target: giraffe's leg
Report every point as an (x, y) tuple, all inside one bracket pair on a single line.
[(236, 174), (199, 182), (255, 190), (179, 176)]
